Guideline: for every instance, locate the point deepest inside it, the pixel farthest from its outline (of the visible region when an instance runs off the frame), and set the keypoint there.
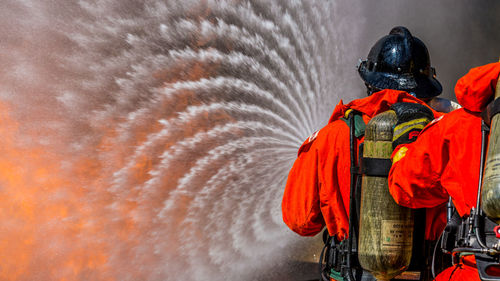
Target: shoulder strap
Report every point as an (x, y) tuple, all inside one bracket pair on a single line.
[(349, 267), (353, 204), (359, 124)]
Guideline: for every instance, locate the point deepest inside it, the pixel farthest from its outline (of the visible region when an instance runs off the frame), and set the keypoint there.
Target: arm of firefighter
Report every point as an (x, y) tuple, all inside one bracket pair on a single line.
[(476, 84), (300, 205), (414, 178)]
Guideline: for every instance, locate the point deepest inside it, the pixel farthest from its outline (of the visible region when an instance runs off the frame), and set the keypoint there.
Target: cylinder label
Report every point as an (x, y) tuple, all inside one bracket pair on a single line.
[(396, 234)]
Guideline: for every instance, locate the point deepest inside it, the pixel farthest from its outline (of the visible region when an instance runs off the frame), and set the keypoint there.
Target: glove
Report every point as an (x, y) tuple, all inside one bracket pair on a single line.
[(412, 118)]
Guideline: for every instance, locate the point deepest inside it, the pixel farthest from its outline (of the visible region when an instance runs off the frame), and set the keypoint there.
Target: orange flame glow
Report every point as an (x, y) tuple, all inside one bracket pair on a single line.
[(38, 218)]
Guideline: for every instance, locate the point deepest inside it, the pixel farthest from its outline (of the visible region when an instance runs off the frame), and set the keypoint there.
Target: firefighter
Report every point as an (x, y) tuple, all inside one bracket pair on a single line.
[(444, 160), (316, 195)]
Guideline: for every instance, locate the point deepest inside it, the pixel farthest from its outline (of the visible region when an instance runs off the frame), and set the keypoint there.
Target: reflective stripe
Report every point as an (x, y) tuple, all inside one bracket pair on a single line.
[(346, 115), (403, 128), (399, 154)]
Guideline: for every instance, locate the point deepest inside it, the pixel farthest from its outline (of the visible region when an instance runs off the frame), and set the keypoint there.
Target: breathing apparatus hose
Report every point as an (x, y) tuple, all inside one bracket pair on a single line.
[(433, 270), (490, 252), (477, 212)]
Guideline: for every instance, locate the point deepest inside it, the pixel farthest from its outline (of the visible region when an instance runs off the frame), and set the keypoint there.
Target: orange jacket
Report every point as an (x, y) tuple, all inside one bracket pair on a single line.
[(444, 160), (465, 270), (318, 186)]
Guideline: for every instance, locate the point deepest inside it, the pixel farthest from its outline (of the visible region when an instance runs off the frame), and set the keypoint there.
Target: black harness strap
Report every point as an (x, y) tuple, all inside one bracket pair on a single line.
[(375, 167), (353, 212), (348, 264), (491, 110)]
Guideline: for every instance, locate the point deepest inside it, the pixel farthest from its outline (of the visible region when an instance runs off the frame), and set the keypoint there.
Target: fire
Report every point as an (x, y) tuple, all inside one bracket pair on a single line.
[(43, 219)]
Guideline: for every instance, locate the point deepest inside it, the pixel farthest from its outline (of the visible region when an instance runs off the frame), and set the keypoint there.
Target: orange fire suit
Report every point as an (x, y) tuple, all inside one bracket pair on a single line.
[(318, 186), (445, 159)]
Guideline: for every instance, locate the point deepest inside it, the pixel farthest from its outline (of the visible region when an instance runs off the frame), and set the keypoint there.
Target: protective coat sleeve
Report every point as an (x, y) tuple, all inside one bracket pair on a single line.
[(444, 161), (415, 175), (317, 189), (300, 205)]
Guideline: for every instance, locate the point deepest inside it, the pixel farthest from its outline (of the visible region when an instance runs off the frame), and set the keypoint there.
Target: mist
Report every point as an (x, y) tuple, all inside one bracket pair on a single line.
[(152, 140)]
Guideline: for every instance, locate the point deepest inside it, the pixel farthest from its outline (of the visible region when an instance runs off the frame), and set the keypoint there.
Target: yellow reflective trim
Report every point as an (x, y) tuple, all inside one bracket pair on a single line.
[(399, 154), (401, 129), (399, 134), (346, 114), (409, 123)]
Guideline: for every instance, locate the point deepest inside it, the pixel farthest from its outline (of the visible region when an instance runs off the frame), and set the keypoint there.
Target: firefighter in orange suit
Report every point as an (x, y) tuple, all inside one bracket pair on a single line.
[(445, 159), (317, 191)]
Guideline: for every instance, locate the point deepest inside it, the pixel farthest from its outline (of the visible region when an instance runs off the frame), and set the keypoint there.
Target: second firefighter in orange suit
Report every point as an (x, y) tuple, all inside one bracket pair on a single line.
[(445, 158)]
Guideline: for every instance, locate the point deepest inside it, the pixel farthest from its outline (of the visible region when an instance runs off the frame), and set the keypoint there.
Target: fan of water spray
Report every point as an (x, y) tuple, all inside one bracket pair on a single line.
[(157, 136)]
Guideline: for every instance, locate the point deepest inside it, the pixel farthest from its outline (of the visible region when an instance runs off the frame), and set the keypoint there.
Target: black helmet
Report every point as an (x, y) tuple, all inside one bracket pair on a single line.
[(400, 61)]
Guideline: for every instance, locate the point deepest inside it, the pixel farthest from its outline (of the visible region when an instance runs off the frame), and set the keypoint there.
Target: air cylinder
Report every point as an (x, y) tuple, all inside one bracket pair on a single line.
[(386, 229), (490, 192)]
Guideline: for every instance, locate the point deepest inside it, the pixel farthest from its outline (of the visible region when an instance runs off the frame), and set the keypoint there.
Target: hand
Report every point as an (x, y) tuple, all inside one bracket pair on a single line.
[(412, 118)]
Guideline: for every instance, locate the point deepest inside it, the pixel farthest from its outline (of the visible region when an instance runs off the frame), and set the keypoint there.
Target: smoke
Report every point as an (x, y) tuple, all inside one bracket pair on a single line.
[(459, 34), (151, 140)]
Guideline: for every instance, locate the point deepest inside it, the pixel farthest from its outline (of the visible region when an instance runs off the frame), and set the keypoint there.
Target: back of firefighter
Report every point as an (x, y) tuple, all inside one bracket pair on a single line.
[(445, 159), (317, 190)]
